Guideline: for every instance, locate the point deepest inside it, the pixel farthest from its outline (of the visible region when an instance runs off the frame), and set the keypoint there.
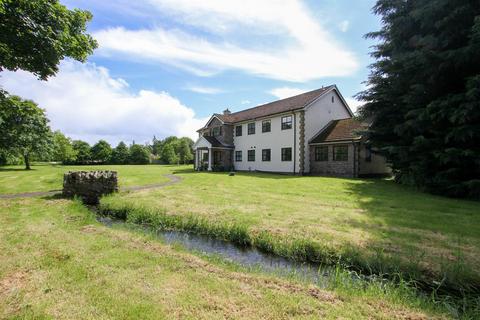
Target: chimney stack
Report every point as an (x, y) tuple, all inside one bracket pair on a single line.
[(226, 112)]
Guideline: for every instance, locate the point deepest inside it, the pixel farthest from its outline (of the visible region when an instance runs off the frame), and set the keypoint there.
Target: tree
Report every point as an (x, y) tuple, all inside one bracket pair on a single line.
[(82, 149), (101, 151), (62, 148), (139, 154), (168, 154), (24, 128), (185, 150), (156, 146), (423, 96), (36, 34), (120, 154)]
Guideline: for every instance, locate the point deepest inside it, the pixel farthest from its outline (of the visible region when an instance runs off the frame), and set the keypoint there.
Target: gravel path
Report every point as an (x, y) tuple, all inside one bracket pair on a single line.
[(173, 179)]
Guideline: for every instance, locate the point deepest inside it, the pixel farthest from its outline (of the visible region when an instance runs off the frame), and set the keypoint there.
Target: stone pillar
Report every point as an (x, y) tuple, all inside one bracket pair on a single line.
[(196, 160), (302, 142), (210, 158)]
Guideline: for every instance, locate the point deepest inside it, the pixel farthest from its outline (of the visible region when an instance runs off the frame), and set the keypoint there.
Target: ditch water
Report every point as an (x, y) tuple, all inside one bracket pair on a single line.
[(249, 257)]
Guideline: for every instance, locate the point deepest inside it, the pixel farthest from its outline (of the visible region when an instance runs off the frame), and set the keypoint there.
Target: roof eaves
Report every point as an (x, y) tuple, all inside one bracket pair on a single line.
[(268, 115), (337, 141)]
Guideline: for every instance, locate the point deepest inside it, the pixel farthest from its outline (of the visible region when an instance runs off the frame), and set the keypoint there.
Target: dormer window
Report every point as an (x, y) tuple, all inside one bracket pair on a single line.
[(216, 131)]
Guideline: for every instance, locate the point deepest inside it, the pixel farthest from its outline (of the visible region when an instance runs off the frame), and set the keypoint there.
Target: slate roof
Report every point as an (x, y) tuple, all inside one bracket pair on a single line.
[(279, 106), (340, 130), (215, 143)]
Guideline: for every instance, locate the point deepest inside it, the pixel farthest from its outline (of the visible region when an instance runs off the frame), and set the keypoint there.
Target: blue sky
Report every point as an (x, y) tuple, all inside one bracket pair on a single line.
[(164, 66)]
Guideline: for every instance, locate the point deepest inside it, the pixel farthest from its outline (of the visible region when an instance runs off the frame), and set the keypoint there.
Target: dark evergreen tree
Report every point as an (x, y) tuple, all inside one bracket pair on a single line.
[(423, 95)]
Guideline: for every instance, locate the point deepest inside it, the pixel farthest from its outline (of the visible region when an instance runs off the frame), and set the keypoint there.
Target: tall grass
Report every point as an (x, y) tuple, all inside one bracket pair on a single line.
[(380, 266)]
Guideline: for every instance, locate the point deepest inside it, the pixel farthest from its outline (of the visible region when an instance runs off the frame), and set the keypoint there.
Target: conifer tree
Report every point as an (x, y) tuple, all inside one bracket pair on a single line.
[(423, 96)]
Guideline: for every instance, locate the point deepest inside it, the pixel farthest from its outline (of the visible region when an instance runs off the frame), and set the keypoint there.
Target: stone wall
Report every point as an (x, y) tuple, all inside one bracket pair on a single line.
[(377, 166), (331, 167), (89, 185)]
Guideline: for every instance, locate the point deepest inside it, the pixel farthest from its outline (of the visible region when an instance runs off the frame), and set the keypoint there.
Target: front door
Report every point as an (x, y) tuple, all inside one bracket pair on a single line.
[(217, 158)]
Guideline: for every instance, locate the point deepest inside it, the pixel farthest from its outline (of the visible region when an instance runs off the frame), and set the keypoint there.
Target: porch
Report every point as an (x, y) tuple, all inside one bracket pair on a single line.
[(211, 155)]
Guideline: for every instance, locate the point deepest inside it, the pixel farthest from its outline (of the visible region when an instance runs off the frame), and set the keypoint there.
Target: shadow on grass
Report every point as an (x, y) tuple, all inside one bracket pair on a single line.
[(420, 232), (257, 174)]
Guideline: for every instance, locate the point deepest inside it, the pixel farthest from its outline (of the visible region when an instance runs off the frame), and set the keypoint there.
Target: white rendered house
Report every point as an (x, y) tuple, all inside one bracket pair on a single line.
[(309, 133)]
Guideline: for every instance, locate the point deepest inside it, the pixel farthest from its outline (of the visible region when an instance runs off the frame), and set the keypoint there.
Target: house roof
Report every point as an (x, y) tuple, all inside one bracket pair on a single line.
[(279, 106), (215, 143), (340, 130), (275, 107)]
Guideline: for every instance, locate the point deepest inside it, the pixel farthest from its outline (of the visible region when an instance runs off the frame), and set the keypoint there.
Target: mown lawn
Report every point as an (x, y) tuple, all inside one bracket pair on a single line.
[(46, 177), (57, 262), (376, 222)]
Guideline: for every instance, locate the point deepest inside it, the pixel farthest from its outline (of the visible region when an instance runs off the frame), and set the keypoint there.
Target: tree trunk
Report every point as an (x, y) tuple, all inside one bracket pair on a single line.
[(26, 158)]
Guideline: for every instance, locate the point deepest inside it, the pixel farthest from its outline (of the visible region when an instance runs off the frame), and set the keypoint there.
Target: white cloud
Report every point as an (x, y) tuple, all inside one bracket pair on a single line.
[(286, 92), (204, 90), (245, 102), (354, 104), (276, 39), (344, 25), (85, 102)]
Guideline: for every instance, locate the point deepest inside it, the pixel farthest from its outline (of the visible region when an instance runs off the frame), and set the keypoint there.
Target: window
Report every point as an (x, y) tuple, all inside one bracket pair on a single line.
[(251, 128), (333, 99), (251, 155), (238, 130), (266, 126), (368, 154), (266, 155), (286, 154), (216, 131), (321, 153), (205, 157), (286, 122), (340, 153), (238, 156)]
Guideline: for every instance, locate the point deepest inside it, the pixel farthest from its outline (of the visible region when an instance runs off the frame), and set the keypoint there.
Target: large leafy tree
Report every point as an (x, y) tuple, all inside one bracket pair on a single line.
[(24, 129), (185, 153), (83, 151), (62, 148), (168, 154), (120, 154), (423, 95), (139, 154), (101, 151), (35, 35)]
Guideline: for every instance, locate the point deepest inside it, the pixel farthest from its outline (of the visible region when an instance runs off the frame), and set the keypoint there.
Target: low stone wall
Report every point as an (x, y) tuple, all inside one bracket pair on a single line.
[(89, 185)]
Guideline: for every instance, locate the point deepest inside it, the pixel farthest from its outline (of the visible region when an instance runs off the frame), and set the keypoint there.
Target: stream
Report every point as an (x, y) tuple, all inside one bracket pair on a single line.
[(252, 258), (249, 257)]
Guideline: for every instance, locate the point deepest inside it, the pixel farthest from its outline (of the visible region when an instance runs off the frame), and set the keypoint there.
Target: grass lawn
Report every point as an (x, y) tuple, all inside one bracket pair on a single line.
[(371, 222), (45, 177), (57, 262)]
